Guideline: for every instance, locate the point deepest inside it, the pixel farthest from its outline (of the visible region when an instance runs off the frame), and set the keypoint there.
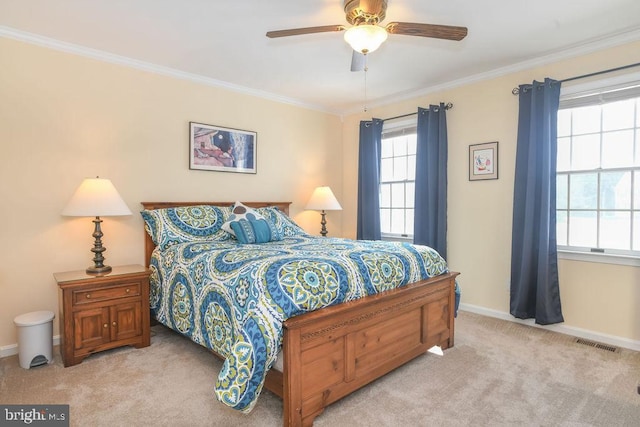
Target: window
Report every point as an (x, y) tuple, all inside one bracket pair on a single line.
[(598, 173), (397, 181)]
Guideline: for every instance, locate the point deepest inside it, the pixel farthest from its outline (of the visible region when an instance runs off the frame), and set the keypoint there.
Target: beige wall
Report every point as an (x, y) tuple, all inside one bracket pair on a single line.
[(64, 117), (601, 298)]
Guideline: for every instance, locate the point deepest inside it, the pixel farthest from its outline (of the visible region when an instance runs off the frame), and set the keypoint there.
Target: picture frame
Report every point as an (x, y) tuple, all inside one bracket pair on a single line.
[(216, 148), (483, 161)]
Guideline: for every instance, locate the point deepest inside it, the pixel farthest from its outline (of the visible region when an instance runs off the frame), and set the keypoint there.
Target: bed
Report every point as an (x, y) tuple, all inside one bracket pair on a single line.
[(326, 353)]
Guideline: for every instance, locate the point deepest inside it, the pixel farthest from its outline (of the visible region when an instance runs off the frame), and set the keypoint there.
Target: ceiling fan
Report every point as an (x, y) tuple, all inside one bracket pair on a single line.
[(366, 35)]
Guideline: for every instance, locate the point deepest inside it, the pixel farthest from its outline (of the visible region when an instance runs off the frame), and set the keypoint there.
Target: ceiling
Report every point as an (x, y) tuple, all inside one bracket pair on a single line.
[(223, 42)]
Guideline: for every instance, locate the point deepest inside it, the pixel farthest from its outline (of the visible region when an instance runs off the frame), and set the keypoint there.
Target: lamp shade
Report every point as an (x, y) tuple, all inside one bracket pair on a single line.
[(323, 199), (96, 197), (365, 38)]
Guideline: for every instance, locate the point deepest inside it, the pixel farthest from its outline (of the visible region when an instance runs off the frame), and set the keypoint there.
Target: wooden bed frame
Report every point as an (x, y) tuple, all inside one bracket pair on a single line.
[(332, 352)]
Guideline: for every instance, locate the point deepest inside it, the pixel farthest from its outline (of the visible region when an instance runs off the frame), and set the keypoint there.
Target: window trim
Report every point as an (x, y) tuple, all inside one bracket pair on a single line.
[(594, 257), (577, 90), (397, 237)]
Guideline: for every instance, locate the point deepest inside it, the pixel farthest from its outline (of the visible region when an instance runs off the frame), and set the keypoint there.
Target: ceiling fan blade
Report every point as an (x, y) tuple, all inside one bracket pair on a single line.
[(308, 30), (446, 32), (357, 61)]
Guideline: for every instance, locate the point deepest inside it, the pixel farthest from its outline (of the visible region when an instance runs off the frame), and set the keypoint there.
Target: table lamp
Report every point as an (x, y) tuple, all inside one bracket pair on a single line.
[(96, 197), (323, 200)]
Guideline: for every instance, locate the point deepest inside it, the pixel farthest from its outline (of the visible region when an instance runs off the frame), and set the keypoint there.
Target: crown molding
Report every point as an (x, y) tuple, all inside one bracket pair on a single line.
[(584, 48), (100, 55), (590, 46)]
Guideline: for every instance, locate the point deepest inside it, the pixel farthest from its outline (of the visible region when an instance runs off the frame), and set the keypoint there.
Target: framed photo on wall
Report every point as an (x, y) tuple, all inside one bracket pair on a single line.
[(215, 148), (483, 161)]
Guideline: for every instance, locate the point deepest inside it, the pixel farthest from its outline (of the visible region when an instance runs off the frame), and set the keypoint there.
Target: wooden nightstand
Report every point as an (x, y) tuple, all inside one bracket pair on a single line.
[(102, 312)]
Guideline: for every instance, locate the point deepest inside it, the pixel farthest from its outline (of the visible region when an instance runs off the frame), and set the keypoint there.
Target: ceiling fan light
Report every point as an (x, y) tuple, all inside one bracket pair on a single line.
[(365, 38)]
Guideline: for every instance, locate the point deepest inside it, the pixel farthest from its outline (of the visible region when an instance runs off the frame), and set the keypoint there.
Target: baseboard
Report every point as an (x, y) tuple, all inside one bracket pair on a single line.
[(561, 328), (12, 349)]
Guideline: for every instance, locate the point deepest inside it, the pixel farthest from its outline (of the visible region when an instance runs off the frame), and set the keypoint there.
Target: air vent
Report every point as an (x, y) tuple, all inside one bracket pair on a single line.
[(601, 346)]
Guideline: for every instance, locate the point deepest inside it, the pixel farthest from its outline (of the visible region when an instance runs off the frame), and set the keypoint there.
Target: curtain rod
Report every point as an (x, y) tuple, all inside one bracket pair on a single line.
[(516, 90), (448, 106)]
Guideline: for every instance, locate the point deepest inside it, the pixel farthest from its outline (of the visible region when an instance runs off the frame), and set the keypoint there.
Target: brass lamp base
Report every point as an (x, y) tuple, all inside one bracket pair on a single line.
[(99, 270), (323, 222), (98, 259)]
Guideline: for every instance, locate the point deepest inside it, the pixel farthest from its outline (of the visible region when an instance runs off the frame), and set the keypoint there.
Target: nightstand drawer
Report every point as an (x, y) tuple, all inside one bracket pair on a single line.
[(101, 294)]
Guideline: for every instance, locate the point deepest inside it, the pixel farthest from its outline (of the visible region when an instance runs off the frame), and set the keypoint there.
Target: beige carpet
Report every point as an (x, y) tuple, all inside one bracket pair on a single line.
[(498, 374)]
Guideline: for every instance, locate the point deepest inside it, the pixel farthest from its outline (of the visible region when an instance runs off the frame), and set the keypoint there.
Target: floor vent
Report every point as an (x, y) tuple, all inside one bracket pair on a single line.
[(610, 348)]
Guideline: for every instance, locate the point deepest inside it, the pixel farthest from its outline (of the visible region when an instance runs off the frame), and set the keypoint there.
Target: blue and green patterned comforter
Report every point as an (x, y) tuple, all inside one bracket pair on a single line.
[(233, 298)]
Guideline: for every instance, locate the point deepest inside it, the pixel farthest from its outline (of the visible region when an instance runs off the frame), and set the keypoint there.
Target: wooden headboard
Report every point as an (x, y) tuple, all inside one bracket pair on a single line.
[(149, 246)]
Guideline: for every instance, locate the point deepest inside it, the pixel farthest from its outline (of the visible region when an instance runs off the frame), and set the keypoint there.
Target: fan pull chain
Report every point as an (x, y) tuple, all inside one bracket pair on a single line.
[(366, 68)]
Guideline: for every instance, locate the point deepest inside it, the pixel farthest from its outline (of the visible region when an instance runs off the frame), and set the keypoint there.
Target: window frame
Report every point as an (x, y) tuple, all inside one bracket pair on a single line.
[(408, 125), (574, 96)]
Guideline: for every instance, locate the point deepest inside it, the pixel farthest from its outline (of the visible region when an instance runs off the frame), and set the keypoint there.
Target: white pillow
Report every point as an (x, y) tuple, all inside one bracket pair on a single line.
[(238, 212)]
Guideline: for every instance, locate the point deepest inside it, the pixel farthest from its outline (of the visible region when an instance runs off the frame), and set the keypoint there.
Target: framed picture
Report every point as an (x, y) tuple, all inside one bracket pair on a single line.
[(483, 161), (214, 148)]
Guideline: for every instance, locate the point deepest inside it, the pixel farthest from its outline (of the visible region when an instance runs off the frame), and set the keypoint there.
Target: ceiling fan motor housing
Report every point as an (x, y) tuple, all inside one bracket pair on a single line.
[(369, 12)]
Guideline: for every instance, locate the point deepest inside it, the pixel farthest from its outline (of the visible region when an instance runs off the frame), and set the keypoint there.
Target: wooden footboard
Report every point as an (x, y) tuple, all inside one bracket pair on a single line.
[(332, 352)]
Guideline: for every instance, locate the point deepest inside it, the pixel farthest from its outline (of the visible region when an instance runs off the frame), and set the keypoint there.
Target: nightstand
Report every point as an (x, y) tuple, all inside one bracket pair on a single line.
[(102, 312)]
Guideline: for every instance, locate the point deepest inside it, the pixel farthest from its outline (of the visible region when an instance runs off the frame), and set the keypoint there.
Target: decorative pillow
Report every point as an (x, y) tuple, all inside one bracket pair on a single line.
[(238, 212), (170, 226), (286, 226), (255, 231)]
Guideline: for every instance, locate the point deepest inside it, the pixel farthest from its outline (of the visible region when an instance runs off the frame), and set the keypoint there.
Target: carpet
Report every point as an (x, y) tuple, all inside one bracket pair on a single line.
[(498, 374)]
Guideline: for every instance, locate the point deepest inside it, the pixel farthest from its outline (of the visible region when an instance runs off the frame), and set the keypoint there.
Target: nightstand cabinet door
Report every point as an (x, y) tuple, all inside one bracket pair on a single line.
[(91, 329), (103, 312), (126, 321)]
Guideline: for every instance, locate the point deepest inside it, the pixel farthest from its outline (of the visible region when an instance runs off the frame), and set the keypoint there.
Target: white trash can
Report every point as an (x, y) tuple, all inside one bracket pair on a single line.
[(35, 338)]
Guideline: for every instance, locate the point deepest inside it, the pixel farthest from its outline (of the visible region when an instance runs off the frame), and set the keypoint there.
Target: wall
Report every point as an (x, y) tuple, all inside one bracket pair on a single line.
[(64, 117), (598, 299)]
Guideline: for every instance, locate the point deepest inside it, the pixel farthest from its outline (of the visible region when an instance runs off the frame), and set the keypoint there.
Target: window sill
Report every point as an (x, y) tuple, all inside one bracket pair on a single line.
[(599, 258), (397, 238)]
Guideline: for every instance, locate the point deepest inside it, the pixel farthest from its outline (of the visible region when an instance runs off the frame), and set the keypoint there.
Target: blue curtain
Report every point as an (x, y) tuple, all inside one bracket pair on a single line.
[(368, 227), (535, 291), (430, 220)]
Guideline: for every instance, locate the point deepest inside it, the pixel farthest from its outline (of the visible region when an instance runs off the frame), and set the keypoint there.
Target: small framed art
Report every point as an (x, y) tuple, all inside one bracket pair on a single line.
[(215, 148), (483, 161)]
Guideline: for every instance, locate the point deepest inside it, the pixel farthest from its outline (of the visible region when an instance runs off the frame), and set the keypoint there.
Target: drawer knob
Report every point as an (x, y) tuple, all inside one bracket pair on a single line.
[(106, 325), (88, 296), (114, 323), (128, 290)]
